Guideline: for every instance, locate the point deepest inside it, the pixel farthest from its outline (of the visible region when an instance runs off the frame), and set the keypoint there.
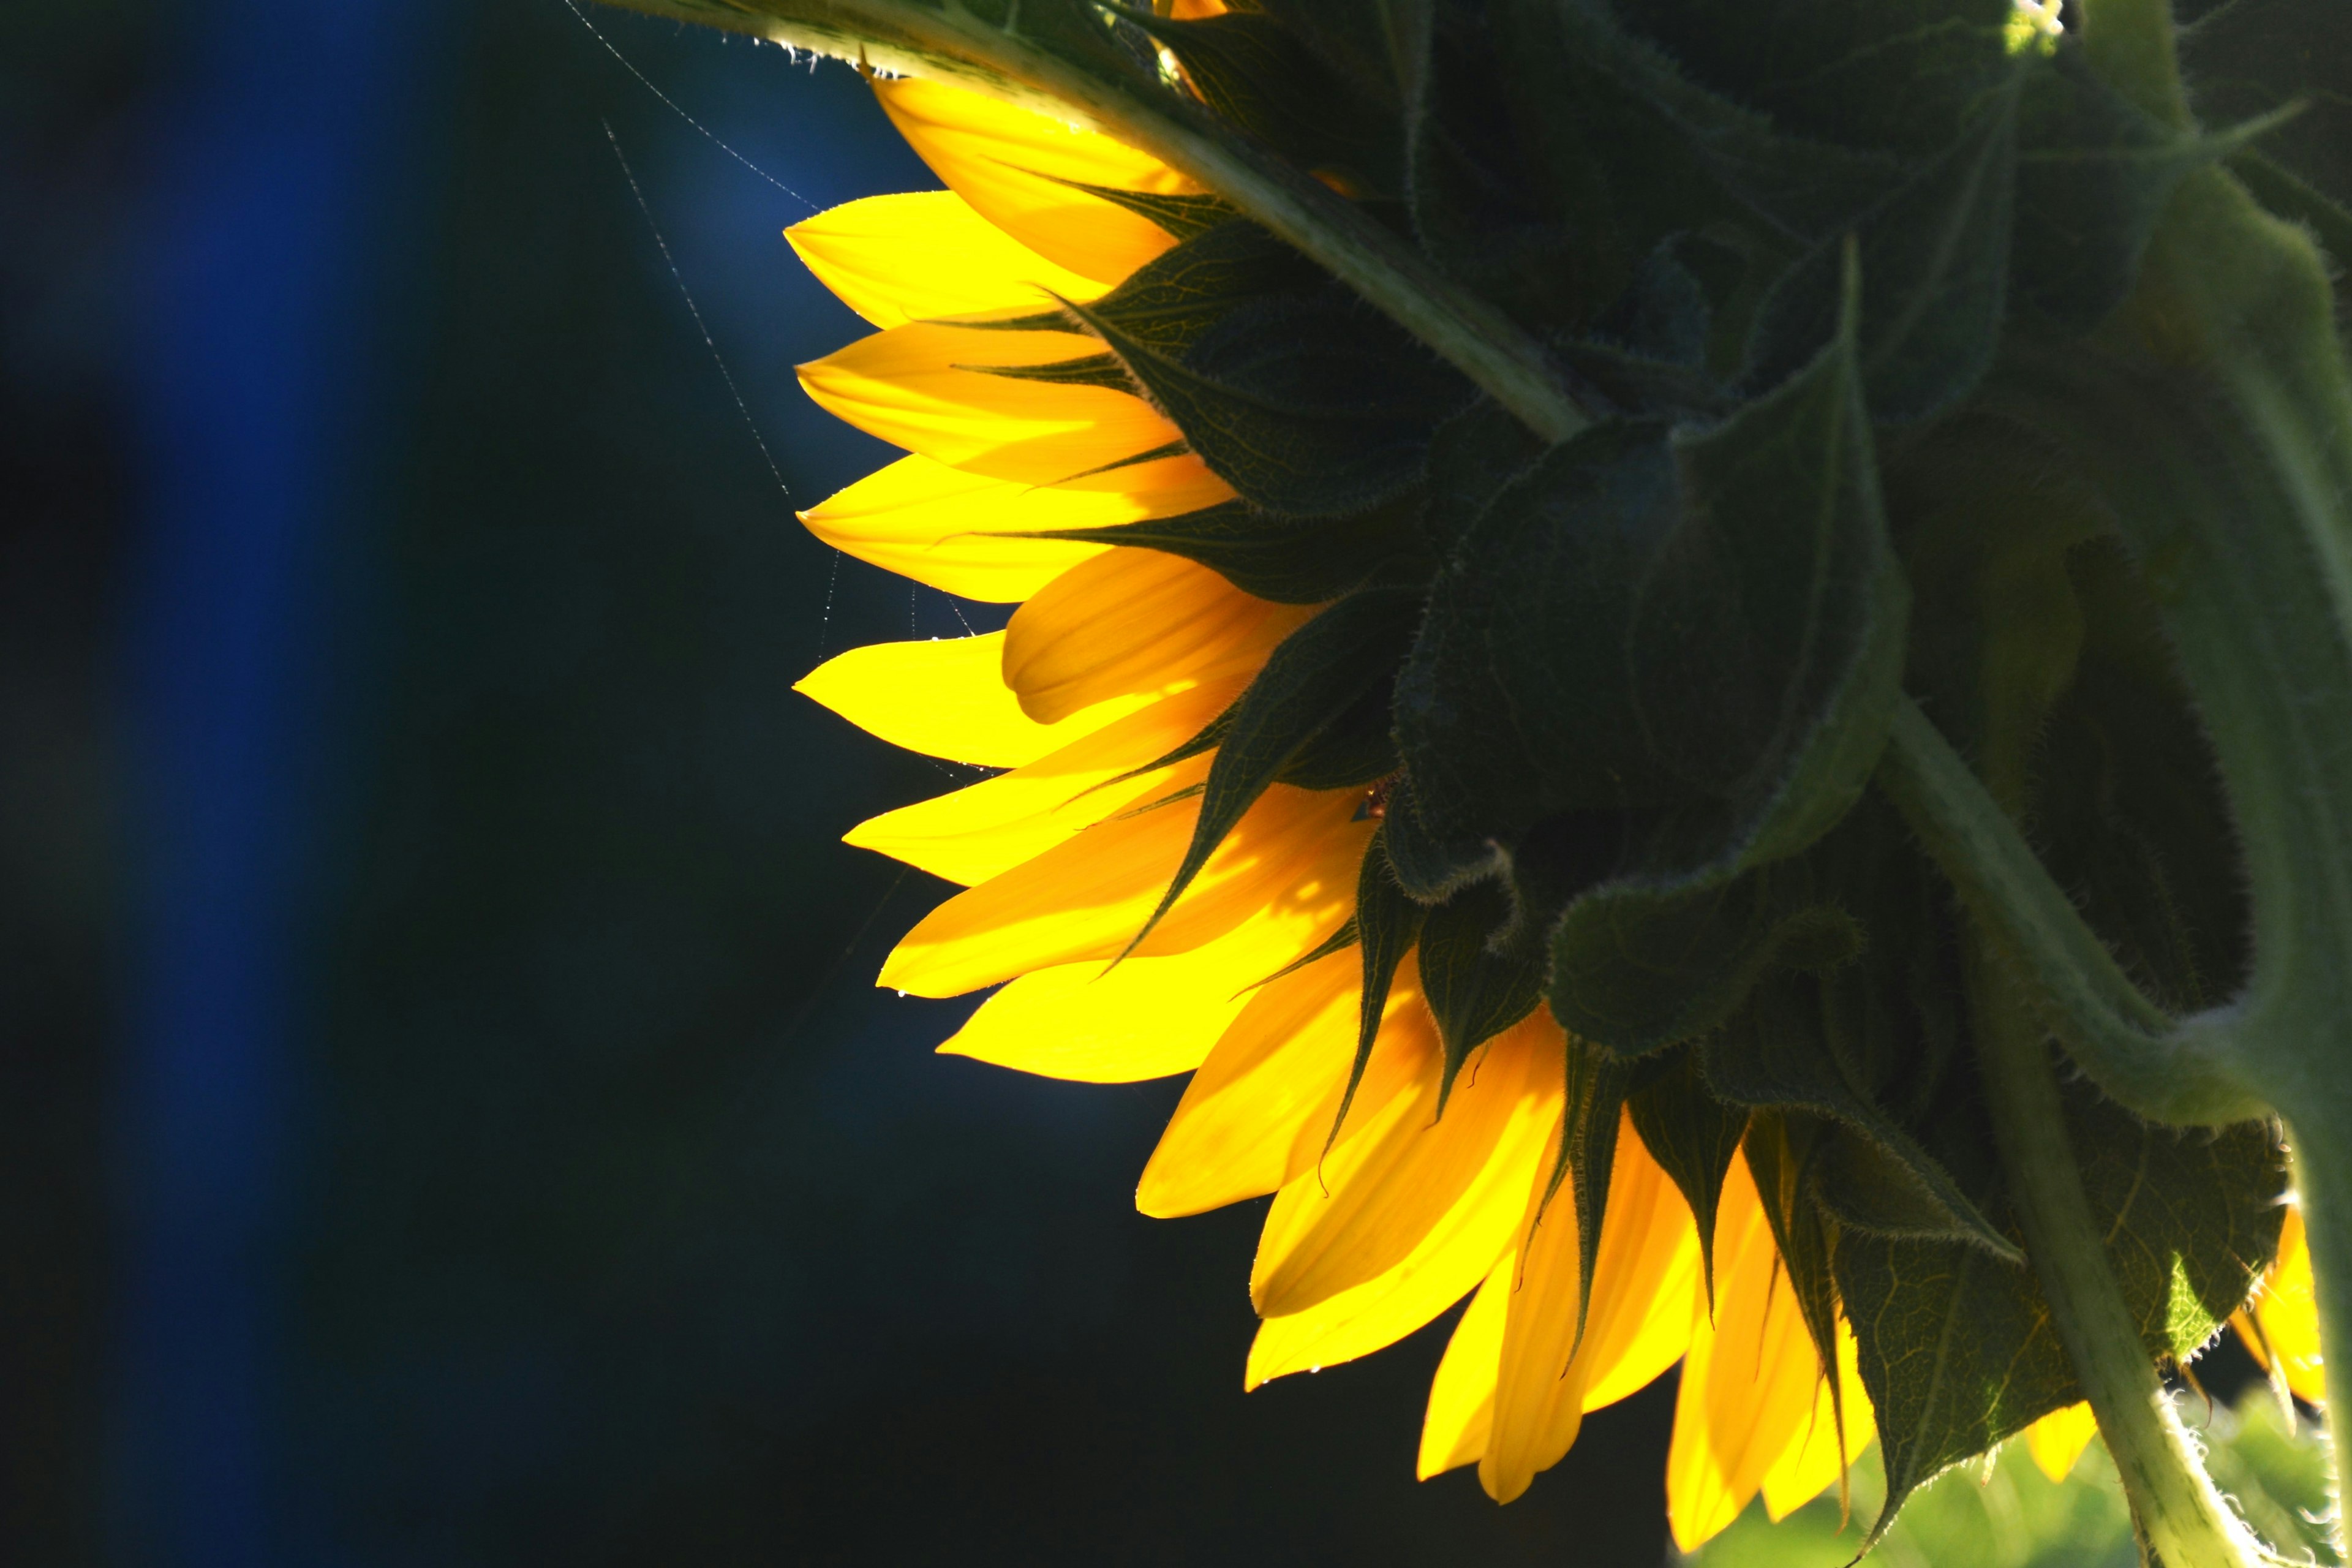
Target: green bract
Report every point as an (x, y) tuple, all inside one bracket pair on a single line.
[(1832, 522)]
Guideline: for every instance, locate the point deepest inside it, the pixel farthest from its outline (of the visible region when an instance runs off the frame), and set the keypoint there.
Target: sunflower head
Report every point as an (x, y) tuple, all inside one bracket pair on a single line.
[(1485, 820)]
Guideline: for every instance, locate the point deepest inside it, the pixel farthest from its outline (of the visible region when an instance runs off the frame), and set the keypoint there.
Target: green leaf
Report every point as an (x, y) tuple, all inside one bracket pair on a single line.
[(1699, 142), (1515, 703), (1591, 1114), (1899, 74), (1309, 405), (1427, 868), (2129, 803), (2094, 174), (1645, 969), (1388, 923), (1692, 1136), (1934, 275), (1777, 1055), (1176, 299), (1182, 216), (1765, 648), (1319, 674), (1290, 559), (2252, 57), (2191, 1217), (1258, 73), (1090, 370), (1957, 1350), (1474, 991), (1471, 457), (1780, 1148)]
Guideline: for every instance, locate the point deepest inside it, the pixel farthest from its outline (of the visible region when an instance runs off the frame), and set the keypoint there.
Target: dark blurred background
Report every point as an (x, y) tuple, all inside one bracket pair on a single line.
[(445, 1114)]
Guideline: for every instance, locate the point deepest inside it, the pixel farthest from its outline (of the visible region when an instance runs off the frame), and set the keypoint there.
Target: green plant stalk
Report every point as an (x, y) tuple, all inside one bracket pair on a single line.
[(2215, 416), (2184, 1517), (945, 40)]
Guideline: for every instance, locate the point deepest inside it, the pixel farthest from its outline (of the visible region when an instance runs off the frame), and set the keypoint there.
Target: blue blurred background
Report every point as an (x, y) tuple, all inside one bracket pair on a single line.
[(445, 1114)]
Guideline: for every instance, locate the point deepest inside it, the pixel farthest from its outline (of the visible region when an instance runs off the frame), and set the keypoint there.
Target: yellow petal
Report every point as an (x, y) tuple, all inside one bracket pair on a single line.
[(911, 258), (1260, 1109), (1461, 1414), (1365, 1208), (1817, 1456), (1295, 855), (911, 386), (1645, 1278), (1147, 1018), (2058, 1439), (2288, 1313), (947, 698), (1748, 1383), (1442, 1268), (1017, 168), (992, 827), (936, 524), (1538, 1389), (1699, 1498), (1135, 620)]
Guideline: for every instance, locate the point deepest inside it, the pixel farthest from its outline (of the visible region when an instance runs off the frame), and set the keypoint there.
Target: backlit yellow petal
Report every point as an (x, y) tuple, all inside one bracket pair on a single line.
[(1748, 1383), (1294, 855), (1645, 1278), (1131, 621), (1364, 1209), (1017, 169), (992, 827), (1816, 1457), (910, 387), (1538, 1388), (2058, 1439), (1699, 1500), (2288, 1313), (910, 258), (1260, 1109), (1461, 1414), (1147, 1018), (923, 519), (1443, 1267), (947, 698)]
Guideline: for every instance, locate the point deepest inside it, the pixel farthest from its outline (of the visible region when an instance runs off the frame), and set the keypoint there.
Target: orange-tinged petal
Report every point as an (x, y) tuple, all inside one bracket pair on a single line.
[(1699, 1500), (1017, 168), (1295, 855), (992, 827), (1749, 1381), (1645, 1278), (945, 527), (947, 698), (925, 253), (2288, 1311), (1260, 1110), (1538, 1387), (1135, 620), (1762, 1383), (1443, 1267), (913, 386), (1147, 1018), (1818, 1454), (1461, 1416), (2058, 1439), (1364, 1209)]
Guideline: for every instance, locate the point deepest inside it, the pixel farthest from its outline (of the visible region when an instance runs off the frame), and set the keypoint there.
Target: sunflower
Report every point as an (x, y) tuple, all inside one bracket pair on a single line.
[(1400, 1187)]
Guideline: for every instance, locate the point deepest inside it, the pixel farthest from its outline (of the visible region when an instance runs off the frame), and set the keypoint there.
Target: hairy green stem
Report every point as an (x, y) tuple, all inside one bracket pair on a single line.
[(2135, 1051), (2185, 1519), (944, 40), (2215, 416)]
